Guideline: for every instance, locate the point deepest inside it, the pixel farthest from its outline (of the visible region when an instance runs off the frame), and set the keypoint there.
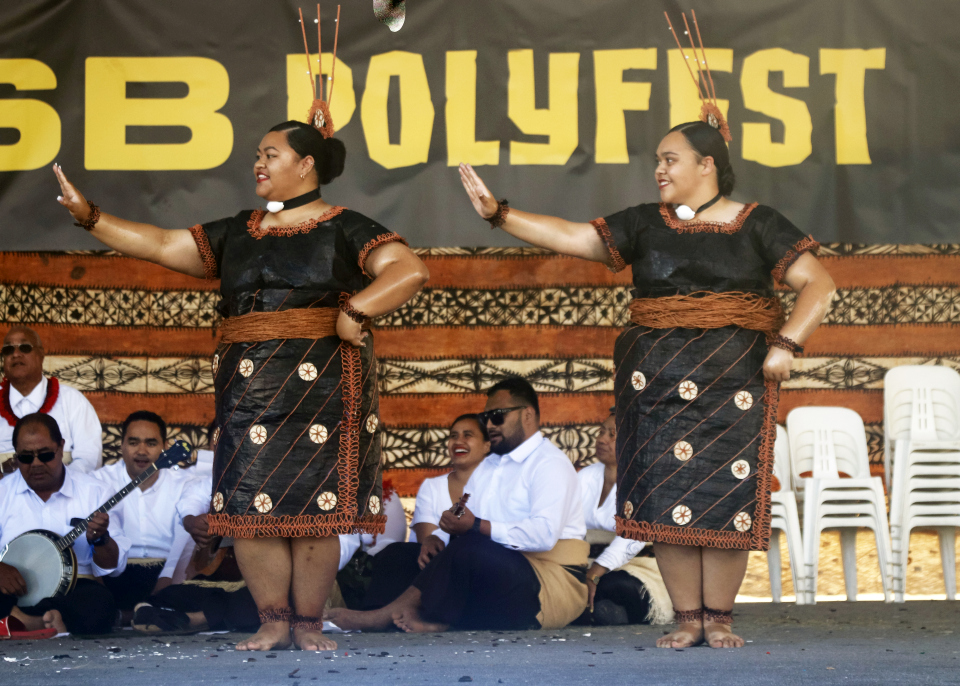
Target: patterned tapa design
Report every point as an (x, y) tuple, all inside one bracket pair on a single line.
[(131, 335)]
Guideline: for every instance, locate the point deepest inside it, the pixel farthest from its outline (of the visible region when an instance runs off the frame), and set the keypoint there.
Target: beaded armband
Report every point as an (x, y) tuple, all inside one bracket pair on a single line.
[(354, 314), (500, 216), (787, 344), (92, 219)]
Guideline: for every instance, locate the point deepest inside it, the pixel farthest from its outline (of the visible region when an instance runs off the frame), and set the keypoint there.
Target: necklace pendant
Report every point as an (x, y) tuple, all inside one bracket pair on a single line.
[(683, 212), (274, 206)]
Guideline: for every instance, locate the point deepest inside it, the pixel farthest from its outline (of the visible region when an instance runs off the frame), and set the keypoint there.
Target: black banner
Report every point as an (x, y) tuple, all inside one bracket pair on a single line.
[(844, 114)]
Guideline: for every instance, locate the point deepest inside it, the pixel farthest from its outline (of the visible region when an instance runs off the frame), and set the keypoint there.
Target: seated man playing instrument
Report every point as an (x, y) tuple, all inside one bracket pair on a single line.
[(516, 559), (152, 515), (45, 495)]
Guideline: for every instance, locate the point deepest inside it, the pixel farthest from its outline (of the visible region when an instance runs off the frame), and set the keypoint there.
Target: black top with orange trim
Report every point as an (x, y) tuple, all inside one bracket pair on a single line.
[(297, 444), (696, 421)]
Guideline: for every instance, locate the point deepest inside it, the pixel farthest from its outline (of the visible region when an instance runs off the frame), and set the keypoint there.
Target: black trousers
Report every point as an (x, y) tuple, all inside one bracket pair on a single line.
[(135, 585), (224, 610), (87, 610), (394, 570), (475, 583), (625, 590)]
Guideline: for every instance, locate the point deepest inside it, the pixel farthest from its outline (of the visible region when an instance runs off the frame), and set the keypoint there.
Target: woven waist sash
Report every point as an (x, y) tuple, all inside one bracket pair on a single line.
[(256, 327), (709, 310)]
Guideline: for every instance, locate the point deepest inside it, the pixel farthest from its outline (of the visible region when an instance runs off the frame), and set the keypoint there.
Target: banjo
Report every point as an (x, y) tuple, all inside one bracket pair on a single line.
[(47, 562)]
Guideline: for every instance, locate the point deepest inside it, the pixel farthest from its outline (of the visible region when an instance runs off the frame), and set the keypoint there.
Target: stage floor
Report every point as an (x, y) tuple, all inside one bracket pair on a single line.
[(830, 643)]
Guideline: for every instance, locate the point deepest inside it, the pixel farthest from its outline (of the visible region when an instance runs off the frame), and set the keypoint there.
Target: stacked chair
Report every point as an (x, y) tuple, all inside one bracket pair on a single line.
[(922, 445), (831, 470), (784, 517)]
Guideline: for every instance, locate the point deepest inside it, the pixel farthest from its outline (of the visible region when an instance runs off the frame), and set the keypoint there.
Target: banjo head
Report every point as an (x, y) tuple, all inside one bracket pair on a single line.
[(41, 564)]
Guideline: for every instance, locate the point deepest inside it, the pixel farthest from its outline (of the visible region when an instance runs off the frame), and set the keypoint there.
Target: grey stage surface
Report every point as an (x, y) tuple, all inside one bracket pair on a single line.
[(832, 643)]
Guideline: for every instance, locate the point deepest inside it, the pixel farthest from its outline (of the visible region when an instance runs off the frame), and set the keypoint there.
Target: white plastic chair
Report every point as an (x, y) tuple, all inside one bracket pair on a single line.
[(922, 462), (785, 517), (826, 441)]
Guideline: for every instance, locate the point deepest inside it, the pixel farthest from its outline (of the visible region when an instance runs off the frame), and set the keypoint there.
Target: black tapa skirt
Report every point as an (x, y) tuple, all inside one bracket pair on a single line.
[(297, 444), (696, 423)]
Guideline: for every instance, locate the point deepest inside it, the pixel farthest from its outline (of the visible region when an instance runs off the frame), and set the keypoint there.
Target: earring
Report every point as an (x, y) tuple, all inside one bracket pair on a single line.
[(302, 175)]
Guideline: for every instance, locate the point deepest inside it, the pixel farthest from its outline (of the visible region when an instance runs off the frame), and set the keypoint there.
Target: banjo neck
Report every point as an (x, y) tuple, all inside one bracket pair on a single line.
[(67, 540)]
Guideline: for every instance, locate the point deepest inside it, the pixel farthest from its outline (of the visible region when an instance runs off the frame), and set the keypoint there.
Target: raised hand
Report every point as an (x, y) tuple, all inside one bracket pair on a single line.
[(70, 197), (482, 199)]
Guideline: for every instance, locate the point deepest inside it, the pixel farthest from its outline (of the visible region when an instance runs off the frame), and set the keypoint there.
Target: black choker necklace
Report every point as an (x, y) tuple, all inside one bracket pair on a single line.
[(685, 213), (277, 206)]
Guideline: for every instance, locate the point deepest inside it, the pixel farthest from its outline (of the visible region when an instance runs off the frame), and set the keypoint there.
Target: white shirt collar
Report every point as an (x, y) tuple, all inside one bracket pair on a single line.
[(36, 396), (526, 449)]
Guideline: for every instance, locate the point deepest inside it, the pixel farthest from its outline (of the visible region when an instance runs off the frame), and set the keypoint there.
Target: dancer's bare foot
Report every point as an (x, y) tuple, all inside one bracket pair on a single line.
[(312, 639), (720, 636), (687, 635), (355, 620), (409, 620), (53, 619), (272, 636)]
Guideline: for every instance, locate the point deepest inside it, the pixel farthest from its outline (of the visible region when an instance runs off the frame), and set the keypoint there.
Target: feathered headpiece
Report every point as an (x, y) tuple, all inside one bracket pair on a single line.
[(319, 115), (709, 109)]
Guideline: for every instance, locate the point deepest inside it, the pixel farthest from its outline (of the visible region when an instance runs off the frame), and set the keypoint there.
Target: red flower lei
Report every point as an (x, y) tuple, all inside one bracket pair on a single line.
[(6, 410)]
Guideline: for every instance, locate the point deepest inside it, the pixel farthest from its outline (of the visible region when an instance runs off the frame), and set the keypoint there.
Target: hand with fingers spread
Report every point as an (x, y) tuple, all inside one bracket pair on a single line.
[(71, 198), (483, 201)]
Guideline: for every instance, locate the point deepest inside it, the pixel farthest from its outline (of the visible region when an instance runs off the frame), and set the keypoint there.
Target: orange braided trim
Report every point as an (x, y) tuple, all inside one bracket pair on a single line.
[(375, 243), (294, 526), (348, 459), (206, 252), (616, 261), (679, 535), (253, 224), (760, 532), (807, 244), (670, 217), (709, 310), (313, 323)]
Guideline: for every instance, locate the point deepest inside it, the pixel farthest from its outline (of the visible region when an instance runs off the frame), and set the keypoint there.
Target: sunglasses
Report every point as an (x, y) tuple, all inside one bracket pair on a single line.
[(497, 417), (25, 348), (44, 456)]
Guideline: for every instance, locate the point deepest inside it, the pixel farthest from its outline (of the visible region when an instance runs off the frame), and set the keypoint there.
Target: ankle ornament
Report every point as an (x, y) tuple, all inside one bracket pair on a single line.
[(717, 616), (275, 615), (302, 622), (688, 616)]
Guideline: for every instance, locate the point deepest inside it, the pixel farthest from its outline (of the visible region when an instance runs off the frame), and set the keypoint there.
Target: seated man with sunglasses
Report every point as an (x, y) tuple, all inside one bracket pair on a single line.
[(26, 390), (516, 558), (45, 495)]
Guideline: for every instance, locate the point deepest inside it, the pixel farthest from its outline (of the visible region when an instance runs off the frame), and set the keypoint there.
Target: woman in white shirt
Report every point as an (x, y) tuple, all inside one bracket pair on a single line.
[(396, 566)]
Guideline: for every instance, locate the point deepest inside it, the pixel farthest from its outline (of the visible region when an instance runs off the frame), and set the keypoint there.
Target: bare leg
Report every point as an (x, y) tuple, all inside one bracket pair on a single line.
[(723, 572), (315, 562), (267, 567), (375, 620), (681, 569)]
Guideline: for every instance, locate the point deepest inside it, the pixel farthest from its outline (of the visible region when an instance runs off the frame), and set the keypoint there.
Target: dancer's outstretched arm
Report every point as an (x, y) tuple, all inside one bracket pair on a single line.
[(578, 239), (173, 249)]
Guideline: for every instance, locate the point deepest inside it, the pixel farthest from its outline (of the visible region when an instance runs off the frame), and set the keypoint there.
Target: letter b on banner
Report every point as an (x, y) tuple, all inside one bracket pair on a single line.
[(109, 112)]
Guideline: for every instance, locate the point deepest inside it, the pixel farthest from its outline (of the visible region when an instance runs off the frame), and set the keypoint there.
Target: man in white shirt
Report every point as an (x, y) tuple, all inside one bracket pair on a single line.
[(152, 515), (45, 495), (517, 558), (26, 390)]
